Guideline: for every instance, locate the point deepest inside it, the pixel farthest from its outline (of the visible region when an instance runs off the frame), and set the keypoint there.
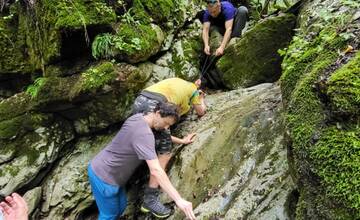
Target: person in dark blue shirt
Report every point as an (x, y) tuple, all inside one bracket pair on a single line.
[(226, 19)]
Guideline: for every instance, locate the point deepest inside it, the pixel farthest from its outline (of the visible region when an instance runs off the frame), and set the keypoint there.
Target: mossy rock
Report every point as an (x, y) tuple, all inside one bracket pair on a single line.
[(14, 106), (169, 15), (337, 162), (344, 88), (13, 57), (185, 58), (132, 43), (317, 84), (160, 10), (36, 145), (58, 92), (254, 58), (31, 35), (77, 14)]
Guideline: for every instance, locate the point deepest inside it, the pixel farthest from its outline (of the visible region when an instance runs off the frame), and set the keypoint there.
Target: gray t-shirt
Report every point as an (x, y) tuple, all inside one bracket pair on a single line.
[(134, 143)]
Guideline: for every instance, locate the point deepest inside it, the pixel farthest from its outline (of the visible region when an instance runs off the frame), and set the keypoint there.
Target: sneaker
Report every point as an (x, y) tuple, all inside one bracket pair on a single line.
[(153, 205)]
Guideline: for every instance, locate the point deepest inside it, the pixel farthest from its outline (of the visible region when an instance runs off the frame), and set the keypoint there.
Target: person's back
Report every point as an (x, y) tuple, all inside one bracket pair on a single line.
[(177, 91), (118, 160)]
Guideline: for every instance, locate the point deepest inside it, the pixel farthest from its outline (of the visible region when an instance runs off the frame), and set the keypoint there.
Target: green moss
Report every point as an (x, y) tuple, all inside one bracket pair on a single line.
[(257, 51), (13, 56), (14, 106), (159, 10), (344, 88), (303, 56), (20, 125), (164, 13), (10, 128), (54, 89), (319, 150), (337, 159), (78, 14), (139, 13), (98, 76), (191, 49)]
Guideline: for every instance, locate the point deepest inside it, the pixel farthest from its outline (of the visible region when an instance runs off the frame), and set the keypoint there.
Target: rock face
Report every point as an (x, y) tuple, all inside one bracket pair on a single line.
[(237, 167), (320, 87), (36, 142), (183, 57), (67, 188), (70, 70), (254, 59)]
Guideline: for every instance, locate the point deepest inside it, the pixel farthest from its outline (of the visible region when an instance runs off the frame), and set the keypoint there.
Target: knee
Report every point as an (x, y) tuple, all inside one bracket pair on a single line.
[(164, 157), (243, 10)]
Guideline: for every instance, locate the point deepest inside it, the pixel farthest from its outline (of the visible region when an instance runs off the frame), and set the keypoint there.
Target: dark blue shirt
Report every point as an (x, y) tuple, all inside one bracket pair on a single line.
[(228, 12)]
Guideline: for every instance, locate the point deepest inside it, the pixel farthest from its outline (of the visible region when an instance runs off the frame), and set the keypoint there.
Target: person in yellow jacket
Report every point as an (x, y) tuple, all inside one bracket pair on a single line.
[(185, 95)]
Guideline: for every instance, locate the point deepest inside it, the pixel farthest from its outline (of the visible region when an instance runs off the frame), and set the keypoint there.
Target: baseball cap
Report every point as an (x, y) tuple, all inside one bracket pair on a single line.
[(211, 1)]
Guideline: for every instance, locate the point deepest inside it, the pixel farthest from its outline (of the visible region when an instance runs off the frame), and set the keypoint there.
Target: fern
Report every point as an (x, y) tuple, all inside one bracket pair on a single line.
[(102, 46), (34, 89)]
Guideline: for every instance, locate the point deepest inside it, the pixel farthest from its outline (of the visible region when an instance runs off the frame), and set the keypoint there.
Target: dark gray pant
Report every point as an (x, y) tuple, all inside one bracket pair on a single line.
[(239, 23)]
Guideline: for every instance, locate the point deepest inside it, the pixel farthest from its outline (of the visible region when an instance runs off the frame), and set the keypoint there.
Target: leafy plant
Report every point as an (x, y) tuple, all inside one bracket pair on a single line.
[(351, 3), (102, 46), (34, 89), (128, 18)]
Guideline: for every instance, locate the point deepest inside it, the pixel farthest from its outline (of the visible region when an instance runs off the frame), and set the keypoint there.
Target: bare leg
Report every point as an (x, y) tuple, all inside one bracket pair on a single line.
[(164, 160), (15, 208)]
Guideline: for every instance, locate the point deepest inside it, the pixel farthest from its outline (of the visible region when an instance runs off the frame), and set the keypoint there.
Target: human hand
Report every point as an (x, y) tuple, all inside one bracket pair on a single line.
[(186, 207), (188, 139), (14, 208), (219, 51), (207, 50)]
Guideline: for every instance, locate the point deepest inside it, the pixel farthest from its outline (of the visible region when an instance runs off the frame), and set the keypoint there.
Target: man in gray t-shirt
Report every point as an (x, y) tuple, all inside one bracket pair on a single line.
[(132, 145), (110, 169)]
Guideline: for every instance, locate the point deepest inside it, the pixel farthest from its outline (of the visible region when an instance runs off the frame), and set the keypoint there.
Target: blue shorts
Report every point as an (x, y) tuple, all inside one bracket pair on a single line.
[(110, 199)]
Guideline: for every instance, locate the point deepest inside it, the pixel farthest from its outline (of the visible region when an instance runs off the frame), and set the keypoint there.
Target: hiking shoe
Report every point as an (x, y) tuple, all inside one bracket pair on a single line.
[(153, 205)]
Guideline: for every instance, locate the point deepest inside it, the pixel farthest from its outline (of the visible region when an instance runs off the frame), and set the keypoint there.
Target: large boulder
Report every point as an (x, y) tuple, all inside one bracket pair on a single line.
[(132, 42), (254, 58), (320, 87), (98, 97), (237, 167)]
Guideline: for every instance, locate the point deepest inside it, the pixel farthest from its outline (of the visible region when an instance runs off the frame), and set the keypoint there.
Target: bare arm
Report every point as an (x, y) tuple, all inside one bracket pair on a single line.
[(205, 37), (227, 36), (164, 182)]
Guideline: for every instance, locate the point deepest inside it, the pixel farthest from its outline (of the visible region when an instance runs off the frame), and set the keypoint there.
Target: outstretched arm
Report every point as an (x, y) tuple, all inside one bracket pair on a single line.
[(164, 182), (227, 36), (205, 37)]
